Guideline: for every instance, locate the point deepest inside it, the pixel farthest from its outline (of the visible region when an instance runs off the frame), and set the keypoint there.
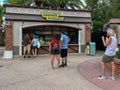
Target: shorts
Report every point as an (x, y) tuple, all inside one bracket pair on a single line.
[(63, 52), (55, 51), (27, 48), (34, 47), (107, 59)]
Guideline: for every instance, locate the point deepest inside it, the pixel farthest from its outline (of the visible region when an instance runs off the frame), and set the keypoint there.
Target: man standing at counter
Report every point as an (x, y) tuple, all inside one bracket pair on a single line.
[(64, 46), (27, 45)]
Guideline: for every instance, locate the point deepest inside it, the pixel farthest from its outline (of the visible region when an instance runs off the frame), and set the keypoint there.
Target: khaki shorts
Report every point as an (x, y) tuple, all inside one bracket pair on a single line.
[(27, 48), (107, 59)]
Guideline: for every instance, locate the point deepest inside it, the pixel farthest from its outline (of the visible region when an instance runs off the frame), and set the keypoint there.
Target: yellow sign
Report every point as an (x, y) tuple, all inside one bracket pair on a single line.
[(55, 18), (52, 16), (47, 14)]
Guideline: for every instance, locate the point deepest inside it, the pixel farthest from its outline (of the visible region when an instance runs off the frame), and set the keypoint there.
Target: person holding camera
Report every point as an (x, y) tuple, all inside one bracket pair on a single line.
[(110, 42)]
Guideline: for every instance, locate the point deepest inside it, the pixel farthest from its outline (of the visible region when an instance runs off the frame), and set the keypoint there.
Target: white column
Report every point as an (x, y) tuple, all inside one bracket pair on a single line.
[(79, 41), (20, 41), (118, 34)]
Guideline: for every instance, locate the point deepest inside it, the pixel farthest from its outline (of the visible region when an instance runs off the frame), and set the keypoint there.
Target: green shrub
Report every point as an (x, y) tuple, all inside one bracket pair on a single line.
[(118, 54)]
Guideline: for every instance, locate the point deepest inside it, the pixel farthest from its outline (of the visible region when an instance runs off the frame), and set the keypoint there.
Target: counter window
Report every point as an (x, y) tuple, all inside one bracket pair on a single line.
[(45, 33)]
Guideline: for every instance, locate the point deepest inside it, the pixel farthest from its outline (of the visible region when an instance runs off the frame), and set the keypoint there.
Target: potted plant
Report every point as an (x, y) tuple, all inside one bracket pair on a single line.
[(118, 54), (117, 62)]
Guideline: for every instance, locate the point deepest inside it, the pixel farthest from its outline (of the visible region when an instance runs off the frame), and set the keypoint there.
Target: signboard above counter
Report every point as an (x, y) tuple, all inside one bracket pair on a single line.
[(53, 16)]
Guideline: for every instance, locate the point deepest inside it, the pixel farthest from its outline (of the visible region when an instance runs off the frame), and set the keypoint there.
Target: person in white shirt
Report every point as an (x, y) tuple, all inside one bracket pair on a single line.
[(111, 43)]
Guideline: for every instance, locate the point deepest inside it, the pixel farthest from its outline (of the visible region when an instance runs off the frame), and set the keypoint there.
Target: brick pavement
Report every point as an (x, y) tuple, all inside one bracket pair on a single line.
[(91, 70)]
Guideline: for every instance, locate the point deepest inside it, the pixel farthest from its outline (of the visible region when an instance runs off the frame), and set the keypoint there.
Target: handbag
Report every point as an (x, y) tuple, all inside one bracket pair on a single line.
[(38, 45)]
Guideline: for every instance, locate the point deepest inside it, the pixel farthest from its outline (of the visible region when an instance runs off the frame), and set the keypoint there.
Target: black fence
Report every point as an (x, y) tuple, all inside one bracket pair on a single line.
[(96, 37)]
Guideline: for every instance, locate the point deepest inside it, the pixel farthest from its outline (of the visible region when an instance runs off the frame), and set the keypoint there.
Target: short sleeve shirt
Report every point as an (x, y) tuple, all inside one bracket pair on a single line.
[(26, 41), (64, 39)]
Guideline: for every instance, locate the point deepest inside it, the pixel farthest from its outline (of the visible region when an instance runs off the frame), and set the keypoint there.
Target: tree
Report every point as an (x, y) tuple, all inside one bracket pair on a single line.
[(114, 10), (1, 13), (103, 10), (73, 4), (20, 2), (97, 25)]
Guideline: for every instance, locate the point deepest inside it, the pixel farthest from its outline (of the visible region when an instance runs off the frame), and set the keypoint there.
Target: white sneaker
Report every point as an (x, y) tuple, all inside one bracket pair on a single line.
[(111, 77), (101, 77)]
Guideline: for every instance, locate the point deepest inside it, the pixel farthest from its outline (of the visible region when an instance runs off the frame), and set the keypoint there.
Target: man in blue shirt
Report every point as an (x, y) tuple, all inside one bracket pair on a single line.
[(64, 46)]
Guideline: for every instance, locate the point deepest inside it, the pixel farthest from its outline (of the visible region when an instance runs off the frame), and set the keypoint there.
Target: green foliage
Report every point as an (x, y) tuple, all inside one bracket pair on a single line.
[(1, 13), (103, 10), (20, 2), (97, 25), (50, 3), (53, 4), (118, 54), (60, 3)]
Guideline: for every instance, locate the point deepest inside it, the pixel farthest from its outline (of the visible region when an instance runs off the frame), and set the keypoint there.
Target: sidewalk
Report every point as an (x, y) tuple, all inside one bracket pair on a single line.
[(36, 74), (91, 70)]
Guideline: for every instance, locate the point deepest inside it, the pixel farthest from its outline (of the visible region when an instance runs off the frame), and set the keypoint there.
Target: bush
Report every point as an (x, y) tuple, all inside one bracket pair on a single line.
[(118, 54)]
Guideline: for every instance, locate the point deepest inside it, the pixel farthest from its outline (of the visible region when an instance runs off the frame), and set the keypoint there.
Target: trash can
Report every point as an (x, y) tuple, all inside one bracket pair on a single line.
[(92, 48)]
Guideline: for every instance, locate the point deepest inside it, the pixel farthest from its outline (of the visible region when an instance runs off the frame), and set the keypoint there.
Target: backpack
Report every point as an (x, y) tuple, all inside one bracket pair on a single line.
[(35, 42)]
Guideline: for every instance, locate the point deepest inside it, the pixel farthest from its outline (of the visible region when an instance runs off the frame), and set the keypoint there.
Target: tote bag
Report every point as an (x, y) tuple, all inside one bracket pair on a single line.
[(38, 46)]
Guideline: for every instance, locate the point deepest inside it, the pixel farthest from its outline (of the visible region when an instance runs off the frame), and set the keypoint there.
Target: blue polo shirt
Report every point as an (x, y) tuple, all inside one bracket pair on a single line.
[(65, 40)]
